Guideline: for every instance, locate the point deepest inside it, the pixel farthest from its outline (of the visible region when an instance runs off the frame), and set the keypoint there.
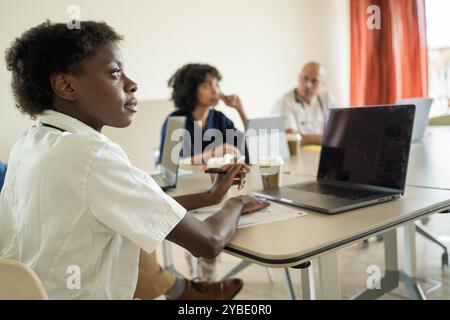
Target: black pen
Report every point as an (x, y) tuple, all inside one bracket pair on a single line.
[(220, 171), (216, 171)]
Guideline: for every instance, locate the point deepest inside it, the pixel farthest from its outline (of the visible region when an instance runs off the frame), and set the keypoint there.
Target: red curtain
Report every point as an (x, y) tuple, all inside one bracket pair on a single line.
[(388, 63)]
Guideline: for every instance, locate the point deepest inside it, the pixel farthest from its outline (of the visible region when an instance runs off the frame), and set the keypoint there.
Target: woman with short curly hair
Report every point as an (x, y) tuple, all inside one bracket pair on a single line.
[(73, 207)]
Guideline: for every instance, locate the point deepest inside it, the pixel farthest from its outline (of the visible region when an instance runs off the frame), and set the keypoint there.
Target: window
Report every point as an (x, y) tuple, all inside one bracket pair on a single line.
[(438, 26)]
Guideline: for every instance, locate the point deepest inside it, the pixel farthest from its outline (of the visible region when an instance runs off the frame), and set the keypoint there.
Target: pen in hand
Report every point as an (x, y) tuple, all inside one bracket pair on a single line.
[(216, 171), (225, 171)]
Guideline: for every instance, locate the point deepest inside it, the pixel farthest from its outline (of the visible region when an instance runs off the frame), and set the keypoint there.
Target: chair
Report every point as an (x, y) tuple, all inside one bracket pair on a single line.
[(287, 277), (3, 168), (169, 266), (19, 282), (428, 234), (440, 121), (420, 226)]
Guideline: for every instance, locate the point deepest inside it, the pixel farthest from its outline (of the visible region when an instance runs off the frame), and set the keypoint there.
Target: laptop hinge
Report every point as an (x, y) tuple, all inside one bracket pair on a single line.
[(360, 186)]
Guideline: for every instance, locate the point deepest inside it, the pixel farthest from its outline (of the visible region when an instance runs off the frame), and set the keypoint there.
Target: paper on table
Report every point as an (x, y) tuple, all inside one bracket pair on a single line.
[(274, 212), (181, 172), (312, 148), (184, 172)]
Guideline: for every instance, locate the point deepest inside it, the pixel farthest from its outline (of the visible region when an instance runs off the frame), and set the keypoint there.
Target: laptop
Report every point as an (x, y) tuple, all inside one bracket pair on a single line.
[(167, 176), (363, 161), (265, 137), (423, 107)]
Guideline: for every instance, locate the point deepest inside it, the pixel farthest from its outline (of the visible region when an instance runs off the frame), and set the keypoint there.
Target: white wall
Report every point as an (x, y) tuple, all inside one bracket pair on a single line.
[(258, 45)]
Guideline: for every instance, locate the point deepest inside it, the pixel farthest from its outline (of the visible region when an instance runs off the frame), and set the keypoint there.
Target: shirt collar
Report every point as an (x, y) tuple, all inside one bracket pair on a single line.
[(64, 122), (303, 102), (209, 120)]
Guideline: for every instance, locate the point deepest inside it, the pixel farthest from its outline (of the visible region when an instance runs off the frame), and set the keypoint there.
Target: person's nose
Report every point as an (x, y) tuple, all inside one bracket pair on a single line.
[(130, 86)]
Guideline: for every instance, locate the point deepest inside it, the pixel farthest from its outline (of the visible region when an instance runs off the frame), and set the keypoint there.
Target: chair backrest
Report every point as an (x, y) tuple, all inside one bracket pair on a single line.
[(440, 121), (2, 174), (19, 282)]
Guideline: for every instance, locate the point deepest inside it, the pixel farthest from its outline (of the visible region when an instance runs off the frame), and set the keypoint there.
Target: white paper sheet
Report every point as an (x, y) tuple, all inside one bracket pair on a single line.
[(274, 212)]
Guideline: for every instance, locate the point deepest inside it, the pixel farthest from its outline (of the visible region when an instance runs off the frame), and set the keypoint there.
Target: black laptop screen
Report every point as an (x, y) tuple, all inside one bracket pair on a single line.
[(368, 145)]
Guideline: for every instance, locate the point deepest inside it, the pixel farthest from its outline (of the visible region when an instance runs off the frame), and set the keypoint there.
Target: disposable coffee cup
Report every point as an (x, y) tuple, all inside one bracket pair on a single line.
[(293, 141), (218, 162), (271, 171)]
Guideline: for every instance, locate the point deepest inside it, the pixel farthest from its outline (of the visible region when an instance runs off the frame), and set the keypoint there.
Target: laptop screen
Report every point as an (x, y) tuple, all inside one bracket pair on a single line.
[(171, 154), (423, 107), (265, 137), (368, 145)]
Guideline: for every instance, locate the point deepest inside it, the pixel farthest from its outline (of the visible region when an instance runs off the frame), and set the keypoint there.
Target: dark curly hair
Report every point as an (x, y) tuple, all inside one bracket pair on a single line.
[(46, 49), (185, 81)]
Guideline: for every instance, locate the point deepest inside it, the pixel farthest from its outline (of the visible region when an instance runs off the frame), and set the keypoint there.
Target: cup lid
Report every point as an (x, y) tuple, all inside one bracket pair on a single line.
[(271, 161), (293, 137), (218, 162)]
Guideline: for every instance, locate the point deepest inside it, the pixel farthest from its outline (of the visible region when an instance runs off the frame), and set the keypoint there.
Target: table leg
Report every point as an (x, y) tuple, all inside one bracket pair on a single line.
[(308, 287), (410, 249), (329, 276), (289, 285), (393, 276)]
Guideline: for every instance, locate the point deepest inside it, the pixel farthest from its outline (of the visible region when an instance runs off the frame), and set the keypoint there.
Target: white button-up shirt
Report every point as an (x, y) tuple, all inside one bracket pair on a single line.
[(305, 118), (76, 211)]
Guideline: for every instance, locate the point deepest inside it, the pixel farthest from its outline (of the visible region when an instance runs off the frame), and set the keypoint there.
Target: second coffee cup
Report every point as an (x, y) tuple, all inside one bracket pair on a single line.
[(271, 171), (293, 143)]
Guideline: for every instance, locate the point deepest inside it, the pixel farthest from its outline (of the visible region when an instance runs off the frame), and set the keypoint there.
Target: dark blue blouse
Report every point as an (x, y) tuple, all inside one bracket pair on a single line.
[(216, 120)]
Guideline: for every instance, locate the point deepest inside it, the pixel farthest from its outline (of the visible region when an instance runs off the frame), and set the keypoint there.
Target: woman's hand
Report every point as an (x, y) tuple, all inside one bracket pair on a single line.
[(252, 204), (233, 101), (223, 182)]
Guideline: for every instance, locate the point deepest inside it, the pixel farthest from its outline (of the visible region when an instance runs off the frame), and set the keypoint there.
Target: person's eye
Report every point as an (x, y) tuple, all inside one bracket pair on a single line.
[(117, 73)]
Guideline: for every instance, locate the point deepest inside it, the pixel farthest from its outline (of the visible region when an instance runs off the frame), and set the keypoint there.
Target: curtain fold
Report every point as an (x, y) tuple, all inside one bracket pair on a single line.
[(388, 63)]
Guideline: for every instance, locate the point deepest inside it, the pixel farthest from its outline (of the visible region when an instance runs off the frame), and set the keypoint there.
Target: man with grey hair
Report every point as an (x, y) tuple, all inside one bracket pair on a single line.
[(304, 107)]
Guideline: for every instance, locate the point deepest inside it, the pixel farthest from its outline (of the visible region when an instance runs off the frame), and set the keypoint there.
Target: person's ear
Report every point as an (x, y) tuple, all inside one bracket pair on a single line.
[(62, 85)]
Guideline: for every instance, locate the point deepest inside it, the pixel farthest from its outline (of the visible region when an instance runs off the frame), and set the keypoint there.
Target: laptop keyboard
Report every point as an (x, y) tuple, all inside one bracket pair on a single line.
[(335, 191)]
